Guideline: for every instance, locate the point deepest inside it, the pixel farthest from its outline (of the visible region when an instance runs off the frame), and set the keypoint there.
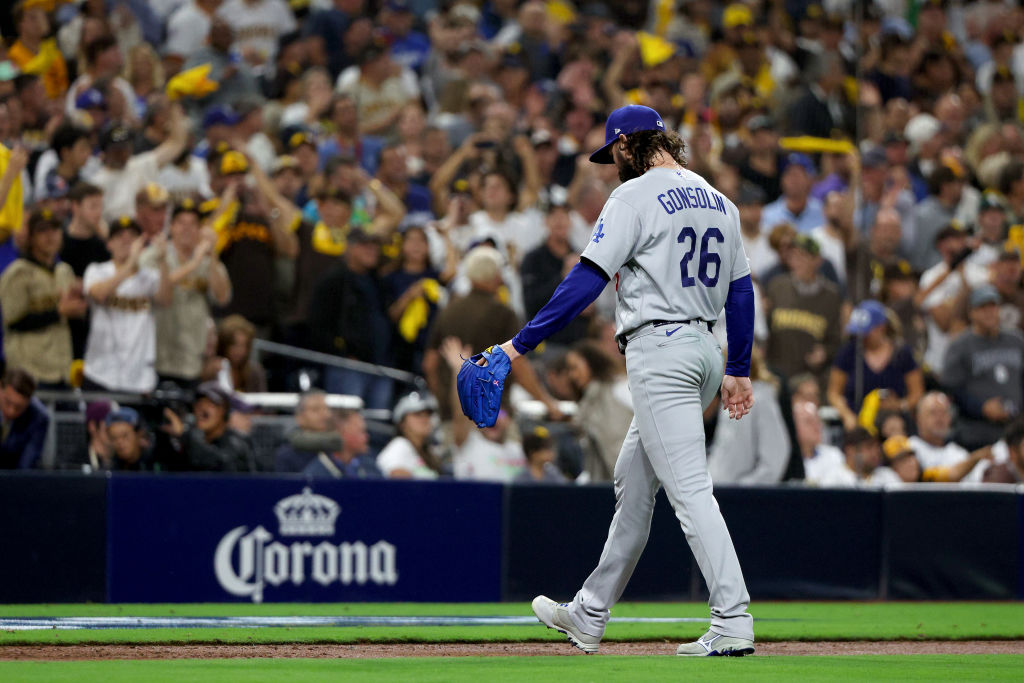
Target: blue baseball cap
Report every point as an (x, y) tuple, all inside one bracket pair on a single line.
[(219, 115), (90, 99), (865, 317), (128, 415), (801, 160), (632, 118)]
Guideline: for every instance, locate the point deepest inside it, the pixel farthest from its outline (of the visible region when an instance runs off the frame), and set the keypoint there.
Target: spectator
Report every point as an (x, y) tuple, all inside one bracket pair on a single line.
[(752, 451), (872, 257), (982, 371), (324, 26), (795, 205), (151, 204), (605, 409), (543, 270), (540, 459), (899, 292), (211, 445), (95, 455), (71, 149), (351, 460), (240, 372), (861, 464), (347, 139), (836, 236), (103, 62), (83, 245), (941, 295), (258, 25), (24, 421), (477, 319), (84, 239), (901, 458), (804, 314), (887, 366), (991, 233), (823, 108), (1011, 468), (35, 51), (763, 259), (197, 277), (819, 458), (127, 441), (410, 454), (805, 388), (946, 188), (124, 174), (236, 77), (1006, 278), (315, 431), (763, 161), (379, 87), (187, 30), (38, 295), (413, 292), (347, 317), (932, 444), (121, 351)]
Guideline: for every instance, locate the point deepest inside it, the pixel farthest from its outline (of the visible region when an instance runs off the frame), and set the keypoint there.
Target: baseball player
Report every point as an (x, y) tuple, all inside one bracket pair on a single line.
[(671, 243)]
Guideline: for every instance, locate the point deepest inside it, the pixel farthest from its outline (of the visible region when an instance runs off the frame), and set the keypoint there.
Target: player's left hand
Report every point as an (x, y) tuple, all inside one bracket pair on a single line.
[(737, 396)]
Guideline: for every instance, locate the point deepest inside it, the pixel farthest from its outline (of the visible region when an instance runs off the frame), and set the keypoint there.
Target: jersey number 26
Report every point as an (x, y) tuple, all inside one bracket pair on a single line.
[(707, 257)]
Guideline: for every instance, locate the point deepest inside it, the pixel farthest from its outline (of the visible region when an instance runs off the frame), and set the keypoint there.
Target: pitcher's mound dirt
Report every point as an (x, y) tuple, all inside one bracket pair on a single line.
[(93, 652)]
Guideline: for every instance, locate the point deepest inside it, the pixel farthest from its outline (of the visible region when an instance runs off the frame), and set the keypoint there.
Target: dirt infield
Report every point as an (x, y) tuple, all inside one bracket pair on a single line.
[(792, 648)]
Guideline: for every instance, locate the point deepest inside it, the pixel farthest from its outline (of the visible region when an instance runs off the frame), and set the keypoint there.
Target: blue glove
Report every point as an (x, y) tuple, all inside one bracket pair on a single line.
[(480, 388)]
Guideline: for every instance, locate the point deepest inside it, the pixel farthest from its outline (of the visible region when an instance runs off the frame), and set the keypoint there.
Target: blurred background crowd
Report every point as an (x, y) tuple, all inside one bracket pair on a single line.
[(401, 183)]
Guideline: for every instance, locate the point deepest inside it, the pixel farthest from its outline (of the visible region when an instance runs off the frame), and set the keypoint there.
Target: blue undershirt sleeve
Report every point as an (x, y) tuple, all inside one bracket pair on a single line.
[(739, 321), (579, 289)]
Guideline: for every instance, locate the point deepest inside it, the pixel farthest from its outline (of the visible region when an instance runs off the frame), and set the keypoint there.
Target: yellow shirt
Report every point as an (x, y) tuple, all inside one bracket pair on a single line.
[(48, 64)]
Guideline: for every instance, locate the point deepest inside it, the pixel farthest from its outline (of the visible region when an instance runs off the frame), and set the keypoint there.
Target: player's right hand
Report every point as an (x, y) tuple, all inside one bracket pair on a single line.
[(737, 396)]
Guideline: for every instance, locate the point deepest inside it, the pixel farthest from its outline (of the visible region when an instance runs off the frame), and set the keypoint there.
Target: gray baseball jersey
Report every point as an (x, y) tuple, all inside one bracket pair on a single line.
[(672, 244)]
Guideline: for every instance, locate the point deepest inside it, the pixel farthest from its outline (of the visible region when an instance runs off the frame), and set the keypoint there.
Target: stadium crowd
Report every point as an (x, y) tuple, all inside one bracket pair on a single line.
[(404, 182)]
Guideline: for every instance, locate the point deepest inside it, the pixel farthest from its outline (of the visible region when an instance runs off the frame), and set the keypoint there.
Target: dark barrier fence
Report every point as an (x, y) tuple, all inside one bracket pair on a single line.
[(143, 538), (53, 538)]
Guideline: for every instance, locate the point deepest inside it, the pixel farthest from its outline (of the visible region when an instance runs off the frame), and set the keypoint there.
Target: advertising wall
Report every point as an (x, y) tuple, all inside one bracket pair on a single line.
[(141, 538), (271, 540)]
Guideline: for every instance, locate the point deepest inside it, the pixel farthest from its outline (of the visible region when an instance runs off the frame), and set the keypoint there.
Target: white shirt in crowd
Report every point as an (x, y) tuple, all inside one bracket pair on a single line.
[(193, 179), (120, 186), (120, 352), (187, 30), (481, 459), (760, 254), (832, 250), (844, 477), (937, 456), (400, 454), (258, 24), (826, 459)]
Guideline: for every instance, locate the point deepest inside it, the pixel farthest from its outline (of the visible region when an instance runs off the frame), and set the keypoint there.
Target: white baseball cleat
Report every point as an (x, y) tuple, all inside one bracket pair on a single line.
[(556, 615), (713, 644)]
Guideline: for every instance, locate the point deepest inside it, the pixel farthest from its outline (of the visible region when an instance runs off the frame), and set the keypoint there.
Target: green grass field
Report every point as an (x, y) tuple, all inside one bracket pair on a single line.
[(773, 622)]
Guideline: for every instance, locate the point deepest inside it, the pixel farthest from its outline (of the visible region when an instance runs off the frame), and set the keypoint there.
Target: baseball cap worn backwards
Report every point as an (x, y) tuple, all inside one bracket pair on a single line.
[(632, 118)]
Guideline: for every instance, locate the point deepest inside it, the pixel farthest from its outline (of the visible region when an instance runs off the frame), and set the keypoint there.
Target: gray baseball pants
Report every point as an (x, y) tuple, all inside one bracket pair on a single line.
[(672, 379)]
